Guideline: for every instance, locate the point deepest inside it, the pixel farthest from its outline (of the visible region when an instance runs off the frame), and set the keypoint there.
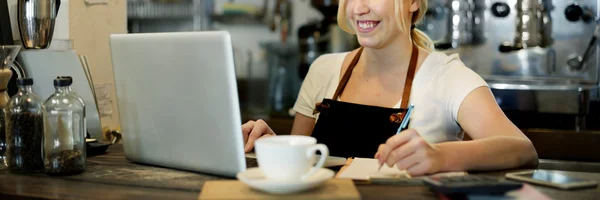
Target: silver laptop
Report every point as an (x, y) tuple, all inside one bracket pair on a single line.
[(178, 101)]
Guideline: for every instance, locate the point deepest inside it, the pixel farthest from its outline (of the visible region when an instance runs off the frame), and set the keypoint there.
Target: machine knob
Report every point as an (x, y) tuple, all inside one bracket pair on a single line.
[(574, 12), (500, 9)]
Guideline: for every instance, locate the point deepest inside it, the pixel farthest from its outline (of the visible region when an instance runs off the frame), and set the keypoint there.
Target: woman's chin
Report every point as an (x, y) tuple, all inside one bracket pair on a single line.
[(369, 43)]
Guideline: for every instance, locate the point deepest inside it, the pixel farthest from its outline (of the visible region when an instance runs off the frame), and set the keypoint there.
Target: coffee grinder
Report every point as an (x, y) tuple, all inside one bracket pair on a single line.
[(324, 36)]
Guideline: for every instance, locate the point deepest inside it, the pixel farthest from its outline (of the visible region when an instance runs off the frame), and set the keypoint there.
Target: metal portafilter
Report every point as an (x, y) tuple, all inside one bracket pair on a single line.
[(574, 13), (576, 62)]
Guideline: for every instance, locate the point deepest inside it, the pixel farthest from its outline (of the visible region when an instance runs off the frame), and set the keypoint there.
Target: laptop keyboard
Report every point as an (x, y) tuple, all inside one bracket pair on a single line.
[(251, 162)]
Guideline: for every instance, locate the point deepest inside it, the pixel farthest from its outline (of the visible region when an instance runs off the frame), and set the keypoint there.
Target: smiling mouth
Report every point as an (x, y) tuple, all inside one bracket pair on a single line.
[(366, 26)]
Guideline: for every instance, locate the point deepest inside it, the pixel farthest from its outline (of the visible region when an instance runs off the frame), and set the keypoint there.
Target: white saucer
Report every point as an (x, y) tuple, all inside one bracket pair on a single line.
[(254, 178)]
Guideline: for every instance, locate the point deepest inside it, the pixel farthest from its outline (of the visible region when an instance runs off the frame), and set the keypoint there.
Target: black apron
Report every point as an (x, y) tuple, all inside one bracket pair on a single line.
[(355, 130)]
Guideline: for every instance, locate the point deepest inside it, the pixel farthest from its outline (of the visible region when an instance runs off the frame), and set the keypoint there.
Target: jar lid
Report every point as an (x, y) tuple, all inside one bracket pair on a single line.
[(25, 81), (62, 82), (67, 77)]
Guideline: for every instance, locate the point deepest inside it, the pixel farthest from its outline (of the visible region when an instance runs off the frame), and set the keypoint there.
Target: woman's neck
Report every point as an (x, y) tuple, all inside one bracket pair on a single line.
[(394, 57)]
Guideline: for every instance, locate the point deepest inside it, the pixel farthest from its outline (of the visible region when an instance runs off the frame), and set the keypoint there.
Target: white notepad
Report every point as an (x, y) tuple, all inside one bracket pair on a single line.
[(364, 168)]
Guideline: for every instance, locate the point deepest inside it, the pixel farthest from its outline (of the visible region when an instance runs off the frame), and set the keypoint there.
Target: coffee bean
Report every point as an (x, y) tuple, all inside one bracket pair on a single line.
[(24, 133), (2, 139), (65, 162)]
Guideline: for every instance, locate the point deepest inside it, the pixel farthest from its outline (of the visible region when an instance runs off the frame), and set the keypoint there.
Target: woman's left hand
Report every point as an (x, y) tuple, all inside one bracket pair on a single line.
[(410, 152)]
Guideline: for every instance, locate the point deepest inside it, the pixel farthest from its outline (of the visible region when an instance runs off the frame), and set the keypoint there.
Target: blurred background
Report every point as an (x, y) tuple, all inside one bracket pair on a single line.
[(539, 56)]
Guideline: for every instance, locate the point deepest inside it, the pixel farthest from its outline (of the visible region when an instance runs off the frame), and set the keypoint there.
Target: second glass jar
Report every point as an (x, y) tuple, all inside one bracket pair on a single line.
[(64, 132)]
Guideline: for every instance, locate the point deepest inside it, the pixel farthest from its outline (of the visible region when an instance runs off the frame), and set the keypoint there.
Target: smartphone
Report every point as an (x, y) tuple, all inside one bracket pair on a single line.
[(551, 179)]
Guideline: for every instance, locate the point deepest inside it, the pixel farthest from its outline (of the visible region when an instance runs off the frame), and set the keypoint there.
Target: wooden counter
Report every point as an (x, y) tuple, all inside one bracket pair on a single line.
[(111, 176)]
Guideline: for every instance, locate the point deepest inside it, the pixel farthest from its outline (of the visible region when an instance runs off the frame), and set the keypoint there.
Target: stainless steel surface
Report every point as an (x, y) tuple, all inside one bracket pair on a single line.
[(578, 62), (568, 37), (543, 100), (36, 19), (533, 74), (528, 83), (533, 25), (531, 22), (465, 20)]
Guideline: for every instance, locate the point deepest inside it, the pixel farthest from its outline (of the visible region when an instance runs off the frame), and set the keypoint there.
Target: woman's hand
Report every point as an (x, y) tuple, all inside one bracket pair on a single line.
[(252, 130), (408, 151)]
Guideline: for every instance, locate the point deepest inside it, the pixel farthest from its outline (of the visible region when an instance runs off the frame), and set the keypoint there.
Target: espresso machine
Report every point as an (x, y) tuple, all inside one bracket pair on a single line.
[(538, 56), (42, 56)]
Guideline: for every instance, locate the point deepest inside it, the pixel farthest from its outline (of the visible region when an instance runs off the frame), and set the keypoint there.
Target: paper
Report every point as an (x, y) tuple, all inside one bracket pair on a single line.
[(363, 168), (366, 168), (104, 100)]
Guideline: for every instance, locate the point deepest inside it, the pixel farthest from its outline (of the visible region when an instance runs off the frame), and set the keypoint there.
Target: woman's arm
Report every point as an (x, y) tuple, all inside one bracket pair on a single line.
[(303, 125), (497, 143)]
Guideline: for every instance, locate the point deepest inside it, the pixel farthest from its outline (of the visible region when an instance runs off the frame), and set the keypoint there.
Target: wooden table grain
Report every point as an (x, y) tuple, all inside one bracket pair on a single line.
[(111, 176)]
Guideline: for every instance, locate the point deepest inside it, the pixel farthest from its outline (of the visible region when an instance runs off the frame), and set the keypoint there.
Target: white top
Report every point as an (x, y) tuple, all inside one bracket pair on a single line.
[(439, 87)]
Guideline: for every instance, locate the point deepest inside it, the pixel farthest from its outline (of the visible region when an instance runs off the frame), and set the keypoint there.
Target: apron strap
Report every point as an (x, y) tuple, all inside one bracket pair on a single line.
[(347, 73), (355, 55), (412, 66), (409, 77)]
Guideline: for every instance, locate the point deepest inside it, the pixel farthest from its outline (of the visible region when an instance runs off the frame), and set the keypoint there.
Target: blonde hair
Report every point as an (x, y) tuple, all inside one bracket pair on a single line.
[(419, 38)]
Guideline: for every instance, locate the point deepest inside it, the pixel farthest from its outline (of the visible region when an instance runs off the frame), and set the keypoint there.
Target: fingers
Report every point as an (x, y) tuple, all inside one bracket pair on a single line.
[(246, 129), (396, 141), (420, 169), (260, 128), (378, 154), (267, 135), (403, 151), (410, 160)]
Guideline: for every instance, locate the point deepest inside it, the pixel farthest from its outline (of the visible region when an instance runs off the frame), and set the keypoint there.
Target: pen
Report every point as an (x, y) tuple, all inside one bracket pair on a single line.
[(403, 124)]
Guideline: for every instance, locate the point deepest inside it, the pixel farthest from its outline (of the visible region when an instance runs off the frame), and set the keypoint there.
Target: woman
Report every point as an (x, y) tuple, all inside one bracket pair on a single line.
[(353, 102)]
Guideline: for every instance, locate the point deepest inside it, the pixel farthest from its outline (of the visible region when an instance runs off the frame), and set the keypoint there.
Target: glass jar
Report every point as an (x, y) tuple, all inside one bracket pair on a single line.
[(64, 146), (24, 130), (72, 92)]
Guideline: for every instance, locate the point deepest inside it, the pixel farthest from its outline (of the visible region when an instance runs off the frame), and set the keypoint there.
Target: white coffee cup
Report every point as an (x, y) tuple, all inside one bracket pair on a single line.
[(289, 157)]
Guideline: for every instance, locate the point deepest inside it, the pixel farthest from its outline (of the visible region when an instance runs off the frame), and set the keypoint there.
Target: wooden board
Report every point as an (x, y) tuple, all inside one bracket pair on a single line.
[(341, 189)]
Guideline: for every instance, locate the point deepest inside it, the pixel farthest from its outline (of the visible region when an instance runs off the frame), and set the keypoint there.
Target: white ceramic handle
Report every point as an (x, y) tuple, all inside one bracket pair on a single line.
[(310, 152)]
